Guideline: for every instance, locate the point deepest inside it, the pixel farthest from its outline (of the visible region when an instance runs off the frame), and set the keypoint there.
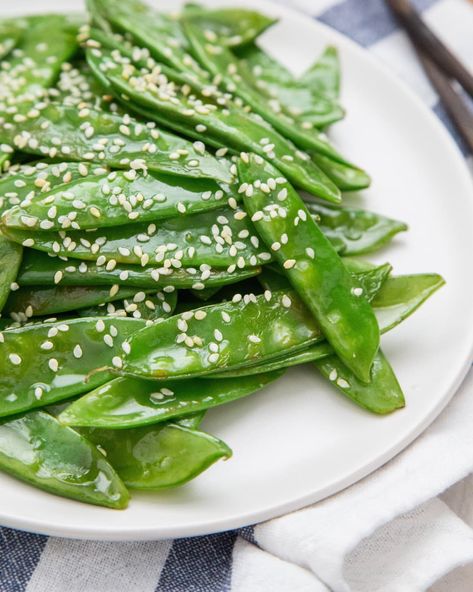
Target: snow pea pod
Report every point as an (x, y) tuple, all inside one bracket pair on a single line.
[(382, 395), (226, 335), (37, 59), (361, 231), (156, 306), (312, 265), (39, 269), (324, 76), (300, 97), (220, 62), (10, 261), (30, 181), (158, 457), (396, 300), (49, 300), (160, 33), (48, 362), (231, 125), (96, 136), (37, 449), (209, 238), (402, 295), (236, 27), (130, 402), (117, 198)]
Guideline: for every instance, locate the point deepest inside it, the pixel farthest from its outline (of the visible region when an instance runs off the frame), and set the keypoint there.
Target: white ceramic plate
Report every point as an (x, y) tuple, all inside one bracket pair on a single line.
[(298, 441)]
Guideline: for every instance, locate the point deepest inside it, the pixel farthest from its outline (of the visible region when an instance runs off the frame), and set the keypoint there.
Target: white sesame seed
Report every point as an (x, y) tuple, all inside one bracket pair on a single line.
[(254, 339), (77, 352), (333, 375), (357, 291), (53, 364), (289, 263), (47, 345), (100, 326), (286, 301), (15, 359), (342, 383), (108, 340), (117, 362)]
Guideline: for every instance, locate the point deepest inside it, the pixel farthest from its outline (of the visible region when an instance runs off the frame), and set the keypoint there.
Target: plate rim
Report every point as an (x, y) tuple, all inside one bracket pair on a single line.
[(240, 520)]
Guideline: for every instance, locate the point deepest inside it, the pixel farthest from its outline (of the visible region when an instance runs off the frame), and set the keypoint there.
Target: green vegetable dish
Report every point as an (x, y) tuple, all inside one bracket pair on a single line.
[(172, 239)]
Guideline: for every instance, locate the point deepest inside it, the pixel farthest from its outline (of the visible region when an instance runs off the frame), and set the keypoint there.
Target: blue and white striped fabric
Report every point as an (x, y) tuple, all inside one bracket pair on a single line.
[(388, 533)]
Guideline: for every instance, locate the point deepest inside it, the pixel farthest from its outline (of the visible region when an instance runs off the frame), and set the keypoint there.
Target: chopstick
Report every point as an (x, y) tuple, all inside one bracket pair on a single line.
[(441, 66)]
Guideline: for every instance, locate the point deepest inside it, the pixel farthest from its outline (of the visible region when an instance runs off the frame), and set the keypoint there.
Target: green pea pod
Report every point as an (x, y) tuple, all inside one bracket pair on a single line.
[(347, 177), (160, 33), (220, 62), (116, 198), (48, 362), (230, 334), (129, 402), (382, 395), (370, 280), (37, 449), (396, 300), (10, 260), (210, 238), (30, 181), (37, 61), (46, 300), (233, 126), (96, 136), (324, 76), (158, 457), (312, 353), (151, 307), (39, 269), (360, 230), (312, 265), (236, 27), (402, 295)]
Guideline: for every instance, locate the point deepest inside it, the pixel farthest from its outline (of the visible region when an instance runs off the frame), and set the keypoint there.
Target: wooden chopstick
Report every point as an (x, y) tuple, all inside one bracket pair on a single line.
[(454, 104), (440, 65), (425, 38)]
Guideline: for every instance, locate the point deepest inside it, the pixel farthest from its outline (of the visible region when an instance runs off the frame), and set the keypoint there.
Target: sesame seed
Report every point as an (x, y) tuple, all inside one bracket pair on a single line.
[(15, 359), (53, 364), (108, 340), (289, 263), (333, 375), (100, 326), (286, 301), (342, 383), (254, 339), (47, 345), (357, 291), (117, 362), (77, 352)]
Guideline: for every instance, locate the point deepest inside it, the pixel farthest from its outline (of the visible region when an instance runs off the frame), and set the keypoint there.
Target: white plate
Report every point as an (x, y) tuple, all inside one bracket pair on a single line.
[(298, 441)]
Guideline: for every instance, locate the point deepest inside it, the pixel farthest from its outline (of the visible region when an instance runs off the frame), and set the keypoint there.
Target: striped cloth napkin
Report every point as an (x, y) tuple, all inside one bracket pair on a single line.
[(406, 528)]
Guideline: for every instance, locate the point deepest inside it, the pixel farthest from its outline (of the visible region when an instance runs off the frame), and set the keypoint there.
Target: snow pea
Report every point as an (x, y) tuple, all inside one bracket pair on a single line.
[(117, 198), (226, 335), (402, 295), (160, 33), (220, 62), (37, 59), (158, 457), (324, 75), (371, 280), (396, 300), (39, 269), (130, 402), (48, 362), (155, 306), (96, 136), (37, 449), (30, 181), (236, 27), (209, 238), (299, 97), (10, 261), (312, 265), (382, 395), (360, 230), (49, 300), (346, 176), (231, 125)]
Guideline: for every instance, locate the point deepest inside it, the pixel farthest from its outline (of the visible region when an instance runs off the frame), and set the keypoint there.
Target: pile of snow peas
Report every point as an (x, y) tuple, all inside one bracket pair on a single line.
[(171, 240)]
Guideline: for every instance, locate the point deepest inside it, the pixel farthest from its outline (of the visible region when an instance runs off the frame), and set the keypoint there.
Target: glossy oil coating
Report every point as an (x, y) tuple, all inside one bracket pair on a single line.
[(38, 449)]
